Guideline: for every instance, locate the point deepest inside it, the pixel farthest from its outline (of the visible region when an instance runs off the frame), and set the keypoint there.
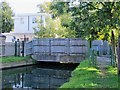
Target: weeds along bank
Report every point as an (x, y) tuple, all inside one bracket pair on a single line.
[(87, 76)]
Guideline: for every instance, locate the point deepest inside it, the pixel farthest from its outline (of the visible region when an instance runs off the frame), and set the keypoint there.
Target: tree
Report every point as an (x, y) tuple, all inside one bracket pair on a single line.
[(93, 20), (56, 26), (52, 29), (45, 8), (89, 20), (119, 55), (6, 15), (96, 20)]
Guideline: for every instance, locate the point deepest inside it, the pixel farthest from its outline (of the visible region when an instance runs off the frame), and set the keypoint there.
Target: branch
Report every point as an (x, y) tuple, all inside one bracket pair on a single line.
[(102, 4), (92, 6)]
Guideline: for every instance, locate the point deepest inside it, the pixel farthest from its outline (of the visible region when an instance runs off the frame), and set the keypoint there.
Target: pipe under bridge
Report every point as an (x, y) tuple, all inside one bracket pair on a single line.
[(66, 50)]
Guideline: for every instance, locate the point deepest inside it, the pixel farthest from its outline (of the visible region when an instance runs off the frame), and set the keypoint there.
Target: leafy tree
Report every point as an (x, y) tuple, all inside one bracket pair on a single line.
[(6, 17), (52, 29), (59, 8), (93, 20), (45, 8), (58, 25), (96, 20), (89, 20)]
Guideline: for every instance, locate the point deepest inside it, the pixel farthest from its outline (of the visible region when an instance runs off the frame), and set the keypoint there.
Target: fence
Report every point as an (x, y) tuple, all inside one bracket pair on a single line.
[(54, 49), (9, 49), (102, 47), (58, 49), (2, 45)]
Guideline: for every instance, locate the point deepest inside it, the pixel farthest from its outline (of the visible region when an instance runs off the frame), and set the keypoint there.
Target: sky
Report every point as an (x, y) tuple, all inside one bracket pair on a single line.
[(24, 6)]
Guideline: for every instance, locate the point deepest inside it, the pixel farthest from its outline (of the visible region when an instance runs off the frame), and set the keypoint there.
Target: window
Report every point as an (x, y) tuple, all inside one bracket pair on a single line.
[(34, 20)]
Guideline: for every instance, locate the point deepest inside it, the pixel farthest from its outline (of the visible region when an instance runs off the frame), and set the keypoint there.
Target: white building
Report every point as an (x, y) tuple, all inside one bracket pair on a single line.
[(24, 24)]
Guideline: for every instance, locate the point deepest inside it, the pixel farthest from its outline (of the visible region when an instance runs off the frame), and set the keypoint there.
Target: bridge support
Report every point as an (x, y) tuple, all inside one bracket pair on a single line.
[(59, 58)]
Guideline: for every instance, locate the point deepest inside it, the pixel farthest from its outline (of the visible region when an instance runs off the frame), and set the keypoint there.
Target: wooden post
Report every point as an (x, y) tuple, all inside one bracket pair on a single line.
[(119, 56)]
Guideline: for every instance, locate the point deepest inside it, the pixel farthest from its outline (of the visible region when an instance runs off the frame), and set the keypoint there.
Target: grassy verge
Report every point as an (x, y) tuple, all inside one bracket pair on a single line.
[(86, 76), (13, 59)]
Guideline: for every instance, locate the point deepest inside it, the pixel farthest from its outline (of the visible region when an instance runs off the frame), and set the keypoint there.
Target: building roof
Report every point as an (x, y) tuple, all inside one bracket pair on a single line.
[(9, 34), (31, 14)]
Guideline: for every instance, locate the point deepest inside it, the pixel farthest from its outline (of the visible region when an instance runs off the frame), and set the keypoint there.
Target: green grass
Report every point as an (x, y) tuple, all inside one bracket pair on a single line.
[(86, 76), (13, 59)]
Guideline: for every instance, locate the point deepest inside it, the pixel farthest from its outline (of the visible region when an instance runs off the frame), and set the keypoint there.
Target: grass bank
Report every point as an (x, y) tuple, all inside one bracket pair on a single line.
[(86, 76), (9, 59)]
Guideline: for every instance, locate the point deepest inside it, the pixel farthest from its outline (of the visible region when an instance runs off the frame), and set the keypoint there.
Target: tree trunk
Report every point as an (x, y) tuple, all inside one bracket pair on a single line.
[(119, 56), (113, 49)]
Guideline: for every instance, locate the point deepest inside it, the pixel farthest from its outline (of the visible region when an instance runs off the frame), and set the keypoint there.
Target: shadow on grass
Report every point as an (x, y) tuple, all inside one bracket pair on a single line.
[(88, 77)]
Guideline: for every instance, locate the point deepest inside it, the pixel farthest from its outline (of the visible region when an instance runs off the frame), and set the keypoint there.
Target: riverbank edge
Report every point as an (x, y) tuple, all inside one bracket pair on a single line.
[(16, 64), (74, 83)]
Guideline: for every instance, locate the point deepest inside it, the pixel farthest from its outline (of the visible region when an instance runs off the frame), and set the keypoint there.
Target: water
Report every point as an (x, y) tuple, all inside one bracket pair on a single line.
[(49, 76)]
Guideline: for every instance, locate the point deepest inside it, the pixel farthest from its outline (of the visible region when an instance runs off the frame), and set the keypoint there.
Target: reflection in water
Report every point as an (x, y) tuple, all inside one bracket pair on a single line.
[(34, 77)]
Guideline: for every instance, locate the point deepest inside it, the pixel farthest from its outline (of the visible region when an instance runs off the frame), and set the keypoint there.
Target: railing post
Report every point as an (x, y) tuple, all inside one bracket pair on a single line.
[(15, 48), (23, 48), (18, 48), (68, 46), (50, 46)]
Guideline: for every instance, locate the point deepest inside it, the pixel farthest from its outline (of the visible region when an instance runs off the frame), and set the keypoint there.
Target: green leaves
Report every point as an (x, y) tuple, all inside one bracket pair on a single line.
[(93, 19), (59, 25), (53, 29), (89, 20)]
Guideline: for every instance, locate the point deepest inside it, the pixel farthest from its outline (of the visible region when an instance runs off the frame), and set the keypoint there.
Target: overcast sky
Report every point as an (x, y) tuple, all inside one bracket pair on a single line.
[(24, 6)]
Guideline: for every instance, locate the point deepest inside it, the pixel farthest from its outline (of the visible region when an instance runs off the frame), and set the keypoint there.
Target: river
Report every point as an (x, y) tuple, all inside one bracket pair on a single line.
[(40, 76)]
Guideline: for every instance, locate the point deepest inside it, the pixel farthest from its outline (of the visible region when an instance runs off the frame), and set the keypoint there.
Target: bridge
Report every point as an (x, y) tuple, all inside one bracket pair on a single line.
[(63, 50)]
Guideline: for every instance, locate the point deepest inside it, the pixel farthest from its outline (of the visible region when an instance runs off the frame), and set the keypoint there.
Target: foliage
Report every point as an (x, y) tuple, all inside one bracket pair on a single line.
[(44, 8), (52, 29), (6, 22), (96, 20), (85, 76), (59, 8), (13, 59), (92, 20), (56, 27), (88, 20)]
